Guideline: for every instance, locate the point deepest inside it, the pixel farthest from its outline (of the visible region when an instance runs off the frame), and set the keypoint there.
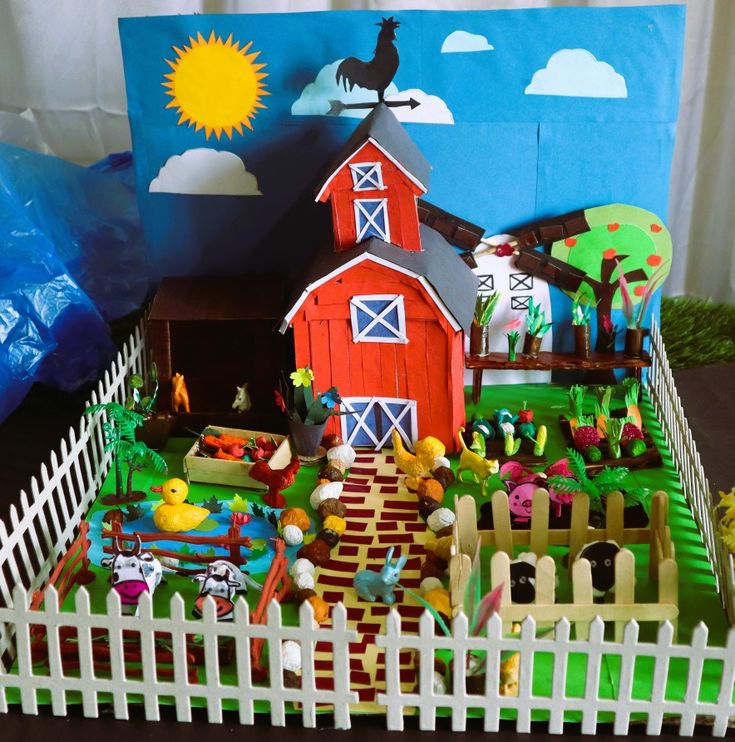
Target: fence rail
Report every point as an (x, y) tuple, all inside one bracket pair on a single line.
[(42, 529)]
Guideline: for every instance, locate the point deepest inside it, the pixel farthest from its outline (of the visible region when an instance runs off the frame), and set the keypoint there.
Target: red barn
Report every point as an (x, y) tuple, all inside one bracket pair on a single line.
[(381, 314)]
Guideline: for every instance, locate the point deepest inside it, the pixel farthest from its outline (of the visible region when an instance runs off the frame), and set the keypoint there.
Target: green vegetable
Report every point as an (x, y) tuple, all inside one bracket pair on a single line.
[(593, 454), (511, 445), (636, 447), (527, 430), (540, 441)]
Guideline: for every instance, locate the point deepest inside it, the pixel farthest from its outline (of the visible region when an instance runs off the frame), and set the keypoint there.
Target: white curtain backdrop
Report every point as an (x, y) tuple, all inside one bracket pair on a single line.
[(62, 91)]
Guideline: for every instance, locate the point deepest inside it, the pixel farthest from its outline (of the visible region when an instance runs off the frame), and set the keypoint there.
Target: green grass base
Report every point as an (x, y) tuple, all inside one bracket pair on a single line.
[(698, 597)]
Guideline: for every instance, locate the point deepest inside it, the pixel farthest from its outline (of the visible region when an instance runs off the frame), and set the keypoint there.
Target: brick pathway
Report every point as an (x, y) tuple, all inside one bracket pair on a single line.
[(380, 513)]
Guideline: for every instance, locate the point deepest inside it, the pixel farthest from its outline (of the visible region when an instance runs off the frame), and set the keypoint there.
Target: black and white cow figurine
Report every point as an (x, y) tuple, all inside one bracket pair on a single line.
[(601, 556), (221, 580), (133, 572), (523, 578)]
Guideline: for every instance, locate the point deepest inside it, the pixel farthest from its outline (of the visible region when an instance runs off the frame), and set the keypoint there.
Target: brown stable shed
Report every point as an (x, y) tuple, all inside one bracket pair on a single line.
[(219, 332)]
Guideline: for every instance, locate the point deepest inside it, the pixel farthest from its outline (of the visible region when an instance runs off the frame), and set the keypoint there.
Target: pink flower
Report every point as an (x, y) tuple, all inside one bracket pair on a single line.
[(607, 323), (240, 519)]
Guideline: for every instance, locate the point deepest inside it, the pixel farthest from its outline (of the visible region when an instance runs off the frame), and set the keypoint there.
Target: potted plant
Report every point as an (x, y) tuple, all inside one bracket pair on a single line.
[(634, 314), (581, 310), (480, 331), (142, 395), (511, 332), (536, 328), (119, 433), (307, 409), (608, 334)]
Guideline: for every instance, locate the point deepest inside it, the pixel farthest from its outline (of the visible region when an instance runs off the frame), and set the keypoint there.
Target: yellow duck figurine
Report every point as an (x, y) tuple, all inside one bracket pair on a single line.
[(173, 515)]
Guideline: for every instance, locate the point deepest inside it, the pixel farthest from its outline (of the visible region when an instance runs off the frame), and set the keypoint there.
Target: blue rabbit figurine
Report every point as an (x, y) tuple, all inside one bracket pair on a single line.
[(372, 585)]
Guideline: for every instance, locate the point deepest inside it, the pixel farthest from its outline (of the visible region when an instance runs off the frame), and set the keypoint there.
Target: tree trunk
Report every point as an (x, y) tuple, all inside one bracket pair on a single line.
[(129, 483), (118, 478)]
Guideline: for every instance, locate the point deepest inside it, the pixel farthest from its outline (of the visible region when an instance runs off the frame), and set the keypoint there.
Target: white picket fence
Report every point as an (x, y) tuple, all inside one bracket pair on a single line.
[(41, 532), (665, 399)]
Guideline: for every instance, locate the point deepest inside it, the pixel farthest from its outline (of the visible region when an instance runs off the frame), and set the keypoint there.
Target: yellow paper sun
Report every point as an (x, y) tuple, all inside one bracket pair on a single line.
[(215, 85)]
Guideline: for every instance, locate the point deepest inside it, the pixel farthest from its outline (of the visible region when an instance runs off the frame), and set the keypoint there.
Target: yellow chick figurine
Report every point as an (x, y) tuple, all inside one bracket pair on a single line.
[(173, 516)]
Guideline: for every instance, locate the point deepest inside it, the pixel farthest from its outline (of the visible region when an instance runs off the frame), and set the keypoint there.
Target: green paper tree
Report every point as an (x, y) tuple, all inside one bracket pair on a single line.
[(632, 237)]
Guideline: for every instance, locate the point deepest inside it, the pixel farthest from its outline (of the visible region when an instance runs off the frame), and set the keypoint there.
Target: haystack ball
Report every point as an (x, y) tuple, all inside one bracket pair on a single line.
[(301, 565), (441, 462), (336, 524), (295, 517), (320, 608), (427, 506), (332, 506), (429, 583), (325, 492), (331, 538), (432, 568), (291, 656), (317, 552), (438, 599), (329, 473), (301, 595), (304, 581), (292, 535), (440, 519), (431, 488), (344, 454), (445, 476), (330, 440)]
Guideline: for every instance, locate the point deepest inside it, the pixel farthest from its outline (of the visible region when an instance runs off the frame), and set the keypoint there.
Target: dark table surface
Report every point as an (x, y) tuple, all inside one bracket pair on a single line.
[(45, 417)]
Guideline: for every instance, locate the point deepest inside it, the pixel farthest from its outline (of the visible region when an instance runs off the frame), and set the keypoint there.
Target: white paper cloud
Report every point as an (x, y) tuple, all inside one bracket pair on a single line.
[(205, 171), (464, 41), (577, 73), (316, 97)]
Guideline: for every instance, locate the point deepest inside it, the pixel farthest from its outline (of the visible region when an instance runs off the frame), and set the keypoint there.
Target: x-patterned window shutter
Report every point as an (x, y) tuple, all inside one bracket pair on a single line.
[(378, 318), (372, 420), (371, 219), (367, 176)]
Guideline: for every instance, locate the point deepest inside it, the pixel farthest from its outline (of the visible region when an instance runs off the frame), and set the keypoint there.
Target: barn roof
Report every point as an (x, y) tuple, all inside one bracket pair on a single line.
[(382, 128), (452, 284)]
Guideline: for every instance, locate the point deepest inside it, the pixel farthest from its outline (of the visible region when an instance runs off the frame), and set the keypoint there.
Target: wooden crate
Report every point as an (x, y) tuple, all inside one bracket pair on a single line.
[(233, 473)]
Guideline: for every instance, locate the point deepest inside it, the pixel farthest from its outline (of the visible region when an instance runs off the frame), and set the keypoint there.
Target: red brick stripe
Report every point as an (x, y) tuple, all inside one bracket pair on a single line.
[(385, 479), (350, 539), (399, 516), (400, 505)]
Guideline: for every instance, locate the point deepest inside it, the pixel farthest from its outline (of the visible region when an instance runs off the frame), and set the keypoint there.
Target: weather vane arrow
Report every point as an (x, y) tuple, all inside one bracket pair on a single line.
[(337, 106)]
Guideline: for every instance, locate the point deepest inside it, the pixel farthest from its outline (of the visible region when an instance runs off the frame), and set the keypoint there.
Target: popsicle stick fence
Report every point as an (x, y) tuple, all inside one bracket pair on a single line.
[(582, 609), (233, 543), (120, 660)]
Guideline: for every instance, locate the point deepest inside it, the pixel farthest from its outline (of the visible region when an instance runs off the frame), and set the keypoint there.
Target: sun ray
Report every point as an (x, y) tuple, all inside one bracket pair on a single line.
[(215, 84)]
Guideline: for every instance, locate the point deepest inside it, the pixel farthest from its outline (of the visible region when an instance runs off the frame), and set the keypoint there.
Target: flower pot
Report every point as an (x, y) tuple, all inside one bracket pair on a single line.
[(479, 339), (582, 340), (531, 345), (155, 430), (634, 342), (306, 438)]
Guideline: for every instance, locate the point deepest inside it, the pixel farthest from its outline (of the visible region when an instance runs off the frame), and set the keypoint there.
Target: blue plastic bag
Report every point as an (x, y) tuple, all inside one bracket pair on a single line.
[(71, 256)]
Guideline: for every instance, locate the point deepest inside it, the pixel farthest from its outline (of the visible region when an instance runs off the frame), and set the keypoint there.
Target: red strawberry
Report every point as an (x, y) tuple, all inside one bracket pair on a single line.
[(586, 436), (631, 432)]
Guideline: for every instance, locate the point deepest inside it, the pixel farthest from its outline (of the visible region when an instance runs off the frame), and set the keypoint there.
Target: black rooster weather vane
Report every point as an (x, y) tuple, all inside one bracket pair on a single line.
[(377, 74)]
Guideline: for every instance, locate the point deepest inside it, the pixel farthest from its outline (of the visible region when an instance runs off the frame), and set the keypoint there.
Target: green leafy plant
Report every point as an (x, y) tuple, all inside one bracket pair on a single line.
[(213, 505), (602, 405), (610, 479), (484, 307), (241, 505), (536, 320), (576, 397), (119, 434), (614, 432), (513, 338), (581, 309), (142, 393)]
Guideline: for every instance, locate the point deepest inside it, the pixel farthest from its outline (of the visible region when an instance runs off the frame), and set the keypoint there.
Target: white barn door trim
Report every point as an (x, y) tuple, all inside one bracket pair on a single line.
[(397, 421)]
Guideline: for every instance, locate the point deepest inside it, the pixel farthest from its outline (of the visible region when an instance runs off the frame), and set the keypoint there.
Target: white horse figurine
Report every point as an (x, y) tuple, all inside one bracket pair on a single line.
[(242, 402)]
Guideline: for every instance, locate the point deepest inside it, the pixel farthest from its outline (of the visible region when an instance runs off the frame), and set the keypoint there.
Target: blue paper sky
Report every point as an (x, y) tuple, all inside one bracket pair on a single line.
[(508, 158)]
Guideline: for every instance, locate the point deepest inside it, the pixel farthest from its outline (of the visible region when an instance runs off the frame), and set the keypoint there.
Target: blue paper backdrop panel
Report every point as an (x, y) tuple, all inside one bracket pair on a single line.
[(519, 112)]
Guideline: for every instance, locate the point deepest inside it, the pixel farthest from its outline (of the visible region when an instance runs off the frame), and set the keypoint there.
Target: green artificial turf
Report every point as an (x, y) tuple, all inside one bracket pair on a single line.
[(699, 600), (697, 332)]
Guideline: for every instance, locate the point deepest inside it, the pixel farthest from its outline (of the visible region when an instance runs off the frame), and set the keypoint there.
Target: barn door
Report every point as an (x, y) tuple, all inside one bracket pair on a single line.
[(373, 419)]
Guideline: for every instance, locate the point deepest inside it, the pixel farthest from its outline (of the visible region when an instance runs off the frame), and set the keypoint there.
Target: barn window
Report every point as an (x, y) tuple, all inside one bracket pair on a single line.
[(367, 176), (371, 219), (486, 283), (378, 318)]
